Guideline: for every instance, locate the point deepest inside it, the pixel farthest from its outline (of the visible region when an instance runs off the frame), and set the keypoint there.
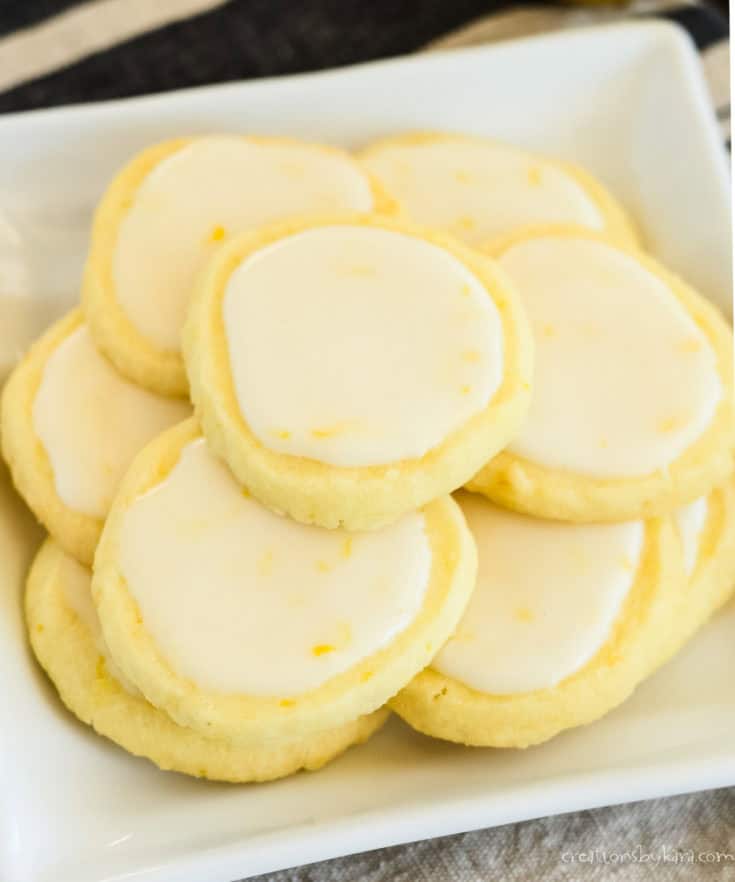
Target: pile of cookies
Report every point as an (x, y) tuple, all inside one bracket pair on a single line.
[(244, 441)]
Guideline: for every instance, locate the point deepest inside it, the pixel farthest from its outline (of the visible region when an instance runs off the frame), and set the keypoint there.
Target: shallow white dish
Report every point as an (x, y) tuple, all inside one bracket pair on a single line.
[(626, 101)]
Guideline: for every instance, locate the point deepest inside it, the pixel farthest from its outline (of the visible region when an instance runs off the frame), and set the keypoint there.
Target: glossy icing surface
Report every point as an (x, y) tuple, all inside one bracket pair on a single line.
[(92, 422), (478, 190), (240, 600), (546, 599), (204, 193), (625, 381), (359, 346)]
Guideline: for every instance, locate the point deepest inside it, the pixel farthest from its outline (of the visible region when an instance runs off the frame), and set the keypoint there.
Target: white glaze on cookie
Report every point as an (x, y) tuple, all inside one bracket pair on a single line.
[(91, 423), (359, 346), (201, 195), (240, 600), (625, 380), (479, 190), (691, 520), (546, 599)]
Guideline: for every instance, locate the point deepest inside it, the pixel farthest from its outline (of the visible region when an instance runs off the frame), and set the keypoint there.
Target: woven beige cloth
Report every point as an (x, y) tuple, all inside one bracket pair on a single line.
[(679, 839)]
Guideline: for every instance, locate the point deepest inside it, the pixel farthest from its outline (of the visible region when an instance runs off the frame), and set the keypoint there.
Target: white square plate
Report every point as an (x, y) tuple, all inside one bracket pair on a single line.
[(628, 102)]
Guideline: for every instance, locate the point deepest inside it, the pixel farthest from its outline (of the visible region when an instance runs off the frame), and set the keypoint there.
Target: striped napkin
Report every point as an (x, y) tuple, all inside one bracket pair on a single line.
[(60, 52)]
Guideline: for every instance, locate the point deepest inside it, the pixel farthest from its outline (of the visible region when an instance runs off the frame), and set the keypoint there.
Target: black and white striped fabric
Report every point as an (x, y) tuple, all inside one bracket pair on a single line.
[(65, 51)]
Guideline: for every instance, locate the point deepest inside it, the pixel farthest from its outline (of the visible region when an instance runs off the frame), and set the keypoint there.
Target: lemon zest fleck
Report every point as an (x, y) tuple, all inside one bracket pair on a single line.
[(465, 223), (344, 635), (669, 424), (328, 431), (265, 563)]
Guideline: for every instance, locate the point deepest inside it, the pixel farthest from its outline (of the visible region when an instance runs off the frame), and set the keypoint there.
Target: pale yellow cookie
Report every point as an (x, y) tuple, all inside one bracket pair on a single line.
[(67, 641), (243, 624), (70, 426), (707, 528), (352, 369), (565, 621), (171, 207), (478, 188), (632, 406)]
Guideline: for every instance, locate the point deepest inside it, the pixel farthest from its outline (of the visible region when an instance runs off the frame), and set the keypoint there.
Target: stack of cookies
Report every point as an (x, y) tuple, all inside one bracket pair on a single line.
[(245, 441)]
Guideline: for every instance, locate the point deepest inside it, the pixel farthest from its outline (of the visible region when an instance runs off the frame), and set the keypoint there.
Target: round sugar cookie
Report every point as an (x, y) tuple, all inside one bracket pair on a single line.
[(67, 641), (632, 405), (70, 427), (478, 188), (349, 370), (171, 207), (244, 624), (564, 622), (707, 529)]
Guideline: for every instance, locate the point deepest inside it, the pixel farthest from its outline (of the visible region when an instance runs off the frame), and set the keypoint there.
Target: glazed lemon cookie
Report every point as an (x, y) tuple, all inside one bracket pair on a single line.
[(243, 624), (169, 209), (70, 427), (478, 188), (564, 622), (67, 641), (632, 405), (707, 530), (350, 370)]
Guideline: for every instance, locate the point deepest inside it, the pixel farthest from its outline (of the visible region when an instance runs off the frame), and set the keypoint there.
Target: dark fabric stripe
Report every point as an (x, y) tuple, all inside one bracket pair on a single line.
[(18, 14), (253, 38), (704, 24), (250, 38)]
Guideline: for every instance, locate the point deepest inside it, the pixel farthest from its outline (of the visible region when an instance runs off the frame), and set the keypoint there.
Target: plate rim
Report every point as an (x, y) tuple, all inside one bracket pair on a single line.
[(657, 28), (357, 832)]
